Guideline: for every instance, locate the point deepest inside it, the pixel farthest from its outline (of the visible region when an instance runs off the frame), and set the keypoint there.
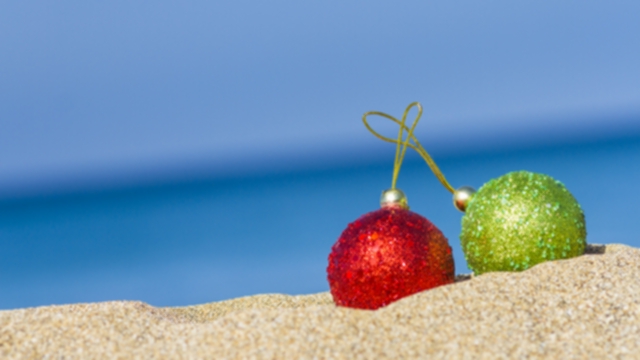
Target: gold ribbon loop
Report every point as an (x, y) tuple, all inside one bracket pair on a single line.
[(402, 144)]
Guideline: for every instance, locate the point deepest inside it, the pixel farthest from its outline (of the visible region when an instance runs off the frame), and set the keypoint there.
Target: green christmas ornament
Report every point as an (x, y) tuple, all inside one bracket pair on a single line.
[(519, 220), (513, 222)]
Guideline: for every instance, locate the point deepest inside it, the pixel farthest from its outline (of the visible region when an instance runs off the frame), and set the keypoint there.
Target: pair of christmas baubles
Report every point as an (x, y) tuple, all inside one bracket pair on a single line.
[(510, 224)]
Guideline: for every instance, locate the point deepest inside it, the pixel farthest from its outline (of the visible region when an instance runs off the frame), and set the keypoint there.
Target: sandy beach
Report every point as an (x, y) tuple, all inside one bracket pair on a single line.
[(586, 307)]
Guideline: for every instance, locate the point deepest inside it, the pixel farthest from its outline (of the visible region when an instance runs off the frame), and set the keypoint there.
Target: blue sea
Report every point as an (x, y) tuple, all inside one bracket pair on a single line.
[(207, 239)]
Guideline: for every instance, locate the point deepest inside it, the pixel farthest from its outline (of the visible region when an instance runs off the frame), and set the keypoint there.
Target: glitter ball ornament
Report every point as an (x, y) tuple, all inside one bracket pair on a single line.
[(519, 220), (386, 255), (389, 253)]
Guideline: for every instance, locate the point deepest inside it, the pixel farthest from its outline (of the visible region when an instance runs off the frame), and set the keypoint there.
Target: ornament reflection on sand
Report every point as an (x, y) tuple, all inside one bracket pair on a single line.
[(392, 252), (515, 221)]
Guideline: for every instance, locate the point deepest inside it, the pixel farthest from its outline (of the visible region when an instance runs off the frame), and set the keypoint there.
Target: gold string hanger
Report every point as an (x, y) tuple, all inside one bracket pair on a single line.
[(461, 196)]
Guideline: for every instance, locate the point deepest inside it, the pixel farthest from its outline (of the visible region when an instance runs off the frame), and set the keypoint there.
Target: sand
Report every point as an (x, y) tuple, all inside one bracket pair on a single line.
[(587, 307)]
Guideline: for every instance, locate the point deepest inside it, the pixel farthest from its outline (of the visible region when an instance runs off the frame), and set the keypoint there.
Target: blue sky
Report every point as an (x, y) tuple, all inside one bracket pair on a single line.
[(116, 90)]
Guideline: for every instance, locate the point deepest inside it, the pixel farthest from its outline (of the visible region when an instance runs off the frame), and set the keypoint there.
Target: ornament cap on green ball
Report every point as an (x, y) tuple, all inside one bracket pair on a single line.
[(462, 196), (519, 220)]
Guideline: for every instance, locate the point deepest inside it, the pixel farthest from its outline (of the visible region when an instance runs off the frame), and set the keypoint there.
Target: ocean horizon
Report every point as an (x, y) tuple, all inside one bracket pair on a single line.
[(199, 240)]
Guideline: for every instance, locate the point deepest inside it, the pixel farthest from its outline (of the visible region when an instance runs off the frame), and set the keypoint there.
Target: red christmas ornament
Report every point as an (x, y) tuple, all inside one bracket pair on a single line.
[(389, 253), (386, 255)]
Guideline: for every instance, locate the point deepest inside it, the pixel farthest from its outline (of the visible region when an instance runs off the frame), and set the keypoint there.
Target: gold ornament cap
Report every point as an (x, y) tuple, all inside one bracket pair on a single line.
[(462, 196), (394, 197)]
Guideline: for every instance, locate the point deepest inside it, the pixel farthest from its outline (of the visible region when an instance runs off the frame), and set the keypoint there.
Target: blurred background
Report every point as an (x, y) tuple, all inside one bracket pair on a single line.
[(187, 152)]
